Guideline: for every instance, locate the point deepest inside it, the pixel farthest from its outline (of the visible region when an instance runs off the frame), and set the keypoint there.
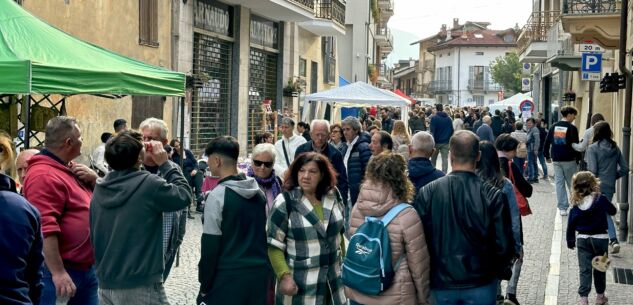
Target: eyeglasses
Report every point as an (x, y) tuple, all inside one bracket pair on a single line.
[(259, 163)]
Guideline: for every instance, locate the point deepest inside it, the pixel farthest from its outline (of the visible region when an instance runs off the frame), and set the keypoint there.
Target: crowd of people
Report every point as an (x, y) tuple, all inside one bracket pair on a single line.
[(282, 228)]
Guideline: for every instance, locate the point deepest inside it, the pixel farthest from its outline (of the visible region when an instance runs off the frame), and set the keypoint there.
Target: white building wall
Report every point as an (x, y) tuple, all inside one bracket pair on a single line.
[(461, 59), (353, 49)]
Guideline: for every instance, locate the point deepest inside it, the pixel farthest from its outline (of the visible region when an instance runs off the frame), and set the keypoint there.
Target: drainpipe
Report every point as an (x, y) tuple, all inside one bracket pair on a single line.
[(175, 35), (459, 72), (626, 129)]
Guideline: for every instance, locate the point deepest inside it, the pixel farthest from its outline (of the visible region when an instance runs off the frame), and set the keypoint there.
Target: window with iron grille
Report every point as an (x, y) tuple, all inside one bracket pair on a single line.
[(211, 111), (262, 87), (148, 22)]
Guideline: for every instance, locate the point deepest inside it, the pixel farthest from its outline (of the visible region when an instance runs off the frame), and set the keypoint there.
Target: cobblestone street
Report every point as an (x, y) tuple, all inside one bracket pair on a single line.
[(533, 289)]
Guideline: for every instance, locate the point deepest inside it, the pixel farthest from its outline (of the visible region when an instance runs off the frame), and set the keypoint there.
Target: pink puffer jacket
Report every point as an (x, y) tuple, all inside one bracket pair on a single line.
[(411, 283)]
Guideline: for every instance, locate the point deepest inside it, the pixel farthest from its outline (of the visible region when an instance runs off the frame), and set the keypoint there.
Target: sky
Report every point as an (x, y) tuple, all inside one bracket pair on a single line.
[(416, 19)]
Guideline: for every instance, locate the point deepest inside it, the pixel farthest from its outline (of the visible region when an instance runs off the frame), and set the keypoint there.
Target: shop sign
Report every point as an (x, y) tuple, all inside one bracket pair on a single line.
[(264, 32), (213, 16)]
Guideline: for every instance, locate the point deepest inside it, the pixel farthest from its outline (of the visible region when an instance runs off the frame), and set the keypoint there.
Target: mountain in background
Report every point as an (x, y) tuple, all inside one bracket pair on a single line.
[(402, 48)]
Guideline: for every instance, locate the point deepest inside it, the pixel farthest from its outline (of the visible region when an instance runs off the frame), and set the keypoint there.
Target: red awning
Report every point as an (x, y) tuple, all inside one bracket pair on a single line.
[(400, 93)]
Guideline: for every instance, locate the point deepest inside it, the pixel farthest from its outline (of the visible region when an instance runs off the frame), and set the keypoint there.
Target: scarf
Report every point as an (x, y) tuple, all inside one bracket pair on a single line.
[(267, 183)]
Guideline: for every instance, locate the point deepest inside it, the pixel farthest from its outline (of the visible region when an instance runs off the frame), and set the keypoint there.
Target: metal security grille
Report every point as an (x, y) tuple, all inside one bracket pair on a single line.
[(210, 105), (262, 86), (623, 276)]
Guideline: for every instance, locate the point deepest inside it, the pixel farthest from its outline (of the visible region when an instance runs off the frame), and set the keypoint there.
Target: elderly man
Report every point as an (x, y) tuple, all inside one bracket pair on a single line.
[(287, 146), (484, 132), (22, 162), (320, 134), (467, 229), (421, 171), (154, 129), (356, 156), (380, 141), (61, 190)]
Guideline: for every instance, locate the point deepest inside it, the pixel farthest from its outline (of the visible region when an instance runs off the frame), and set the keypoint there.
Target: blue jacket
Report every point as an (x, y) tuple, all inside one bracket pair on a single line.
[(441, 127), (21, 255), (484, 132), (422, 172), (358, 160), (337, 162), (589, 217), (515, 215)]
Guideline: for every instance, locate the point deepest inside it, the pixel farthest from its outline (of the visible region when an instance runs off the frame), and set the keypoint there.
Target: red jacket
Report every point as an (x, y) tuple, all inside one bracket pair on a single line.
[(64, 203)]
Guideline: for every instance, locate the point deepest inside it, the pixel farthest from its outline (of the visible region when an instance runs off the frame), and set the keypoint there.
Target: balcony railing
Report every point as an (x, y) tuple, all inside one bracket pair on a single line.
[(332, 10), (307, 3), (482, 85), (535, 29), (384, 33), (440, 86), (590, 7)]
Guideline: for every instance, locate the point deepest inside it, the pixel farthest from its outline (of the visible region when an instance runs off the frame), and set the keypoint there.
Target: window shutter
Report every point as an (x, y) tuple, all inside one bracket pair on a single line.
[(153, 22), (471, 72), (486, 73), (143, 29)]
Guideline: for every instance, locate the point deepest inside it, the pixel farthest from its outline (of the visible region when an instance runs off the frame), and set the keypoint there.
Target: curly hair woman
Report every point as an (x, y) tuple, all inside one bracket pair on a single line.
[(386, 185)]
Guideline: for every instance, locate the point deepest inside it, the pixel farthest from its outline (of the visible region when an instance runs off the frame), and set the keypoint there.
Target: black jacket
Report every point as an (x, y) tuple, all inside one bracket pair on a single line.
[(496, 125), (358, 160), (468, 230), (560, 137), (422, 172), (337, 161)]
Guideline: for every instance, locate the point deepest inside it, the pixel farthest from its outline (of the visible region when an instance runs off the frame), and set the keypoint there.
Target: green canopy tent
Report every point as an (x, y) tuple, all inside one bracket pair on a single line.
[(37, 58)]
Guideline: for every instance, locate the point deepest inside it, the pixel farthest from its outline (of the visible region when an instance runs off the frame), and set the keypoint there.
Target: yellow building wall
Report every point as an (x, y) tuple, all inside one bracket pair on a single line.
[(113, 25), (310, 49)]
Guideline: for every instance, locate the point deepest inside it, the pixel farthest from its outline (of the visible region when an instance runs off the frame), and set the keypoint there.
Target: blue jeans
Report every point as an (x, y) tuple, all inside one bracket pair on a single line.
[(482, 295), (85, 281), (532, 167), (519, 162), (563, 172), (610, 223), (541, 159)]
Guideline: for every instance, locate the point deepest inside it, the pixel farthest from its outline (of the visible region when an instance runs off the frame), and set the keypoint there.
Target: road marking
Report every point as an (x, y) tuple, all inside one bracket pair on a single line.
[(553, 277)]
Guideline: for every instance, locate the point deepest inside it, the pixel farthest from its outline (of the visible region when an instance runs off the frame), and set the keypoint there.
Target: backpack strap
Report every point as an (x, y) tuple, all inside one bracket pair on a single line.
[(393, 212)]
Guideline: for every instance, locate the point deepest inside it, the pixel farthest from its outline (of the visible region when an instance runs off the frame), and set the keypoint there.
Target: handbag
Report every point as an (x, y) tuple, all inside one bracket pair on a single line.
[(524, 206)]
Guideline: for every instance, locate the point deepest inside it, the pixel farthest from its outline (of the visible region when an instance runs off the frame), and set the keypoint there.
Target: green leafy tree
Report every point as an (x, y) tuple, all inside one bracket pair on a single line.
[(506, 71)]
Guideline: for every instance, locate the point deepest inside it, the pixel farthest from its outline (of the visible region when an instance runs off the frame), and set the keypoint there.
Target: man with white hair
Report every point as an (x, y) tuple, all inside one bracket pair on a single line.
[(421, 170), (485, 131), (154, 129), (22, 162), (287, 146), (320, 134)]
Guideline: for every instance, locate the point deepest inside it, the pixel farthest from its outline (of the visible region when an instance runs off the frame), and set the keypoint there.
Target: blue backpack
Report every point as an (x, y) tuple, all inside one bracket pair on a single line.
[(367, 266)]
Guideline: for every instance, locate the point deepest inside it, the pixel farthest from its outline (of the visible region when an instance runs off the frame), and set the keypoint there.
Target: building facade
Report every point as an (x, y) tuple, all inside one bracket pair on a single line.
[(550, 42), (463, 55), (367, 41), (130, 28), (249, 59)]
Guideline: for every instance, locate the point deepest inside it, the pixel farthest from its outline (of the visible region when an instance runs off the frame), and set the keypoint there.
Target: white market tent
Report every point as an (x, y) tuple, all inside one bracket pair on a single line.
[(513, 101), (358, 94)]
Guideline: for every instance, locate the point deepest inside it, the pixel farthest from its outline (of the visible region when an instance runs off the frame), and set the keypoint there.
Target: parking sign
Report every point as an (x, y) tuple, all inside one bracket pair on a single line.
[(591, 62)]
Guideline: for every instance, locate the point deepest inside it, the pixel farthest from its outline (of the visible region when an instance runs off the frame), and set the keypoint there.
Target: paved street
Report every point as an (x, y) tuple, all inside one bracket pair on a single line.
[(539, 284)]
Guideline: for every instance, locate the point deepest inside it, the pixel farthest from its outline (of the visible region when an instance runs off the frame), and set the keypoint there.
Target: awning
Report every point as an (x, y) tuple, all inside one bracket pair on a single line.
[(36, 57)]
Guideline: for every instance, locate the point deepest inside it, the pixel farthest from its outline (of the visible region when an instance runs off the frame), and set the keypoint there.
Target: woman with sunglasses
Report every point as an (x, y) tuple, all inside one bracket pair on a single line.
[(261, 169)]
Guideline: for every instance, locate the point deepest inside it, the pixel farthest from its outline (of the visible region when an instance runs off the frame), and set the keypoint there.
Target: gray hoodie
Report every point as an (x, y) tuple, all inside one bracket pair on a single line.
[(126, 216), (605, 160)]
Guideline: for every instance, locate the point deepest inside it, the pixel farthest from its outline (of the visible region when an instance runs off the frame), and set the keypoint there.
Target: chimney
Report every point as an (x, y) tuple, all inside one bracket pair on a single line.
[(411, 62), (449, 35), (455, 23)]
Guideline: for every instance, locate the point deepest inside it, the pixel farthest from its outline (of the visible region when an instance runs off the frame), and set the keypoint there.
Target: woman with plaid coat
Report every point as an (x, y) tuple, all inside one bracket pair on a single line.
[(305, 230)]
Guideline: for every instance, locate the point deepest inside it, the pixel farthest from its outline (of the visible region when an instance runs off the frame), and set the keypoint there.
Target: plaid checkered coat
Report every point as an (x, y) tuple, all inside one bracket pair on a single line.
[(312, 247)]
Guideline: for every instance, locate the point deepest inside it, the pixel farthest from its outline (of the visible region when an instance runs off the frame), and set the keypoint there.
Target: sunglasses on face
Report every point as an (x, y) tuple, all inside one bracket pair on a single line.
[(259, 163)]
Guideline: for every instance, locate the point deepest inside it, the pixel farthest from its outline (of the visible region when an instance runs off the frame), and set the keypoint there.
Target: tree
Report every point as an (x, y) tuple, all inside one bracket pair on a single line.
[(506, 71)]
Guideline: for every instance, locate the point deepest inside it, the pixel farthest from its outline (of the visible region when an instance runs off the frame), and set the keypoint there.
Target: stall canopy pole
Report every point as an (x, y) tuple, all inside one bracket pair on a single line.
[(182, 131), (27, 121)]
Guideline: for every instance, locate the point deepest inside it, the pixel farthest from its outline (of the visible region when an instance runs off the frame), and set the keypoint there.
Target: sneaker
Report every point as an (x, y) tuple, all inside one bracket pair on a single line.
[(563, 212), (602, 299), (584, 301), (511, 299), (615, 247)]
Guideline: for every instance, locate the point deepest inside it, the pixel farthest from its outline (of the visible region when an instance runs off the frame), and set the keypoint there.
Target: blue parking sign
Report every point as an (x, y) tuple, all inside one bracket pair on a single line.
[(591, 62)]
